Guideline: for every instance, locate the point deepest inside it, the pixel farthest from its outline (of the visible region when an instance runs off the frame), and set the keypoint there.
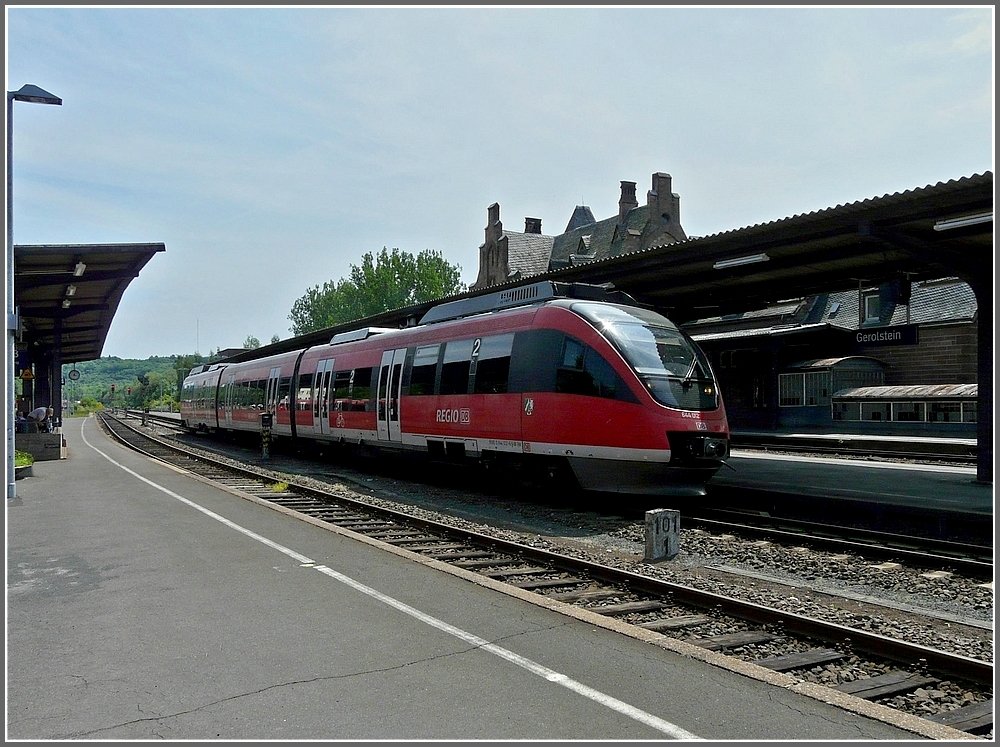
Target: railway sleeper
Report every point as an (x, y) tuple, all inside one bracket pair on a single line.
[(416, 539), (300, 505), (583, 595), (490, 561), (733, 640), (388, 533), (890, 683), (451, 555), (801, 660), (438, 546), (973, 718), (625, 608), (548, 583), (525, 571), (361, 525), (674, 623)]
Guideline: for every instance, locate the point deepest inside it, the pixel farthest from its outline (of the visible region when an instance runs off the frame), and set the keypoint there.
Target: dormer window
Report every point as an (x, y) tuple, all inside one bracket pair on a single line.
[(873, 308)]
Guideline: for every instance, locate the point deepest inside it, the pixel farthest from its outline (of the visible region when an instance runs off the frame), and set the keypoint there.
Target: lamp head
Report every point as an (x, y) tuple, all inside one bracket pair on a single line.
[(35, 95)]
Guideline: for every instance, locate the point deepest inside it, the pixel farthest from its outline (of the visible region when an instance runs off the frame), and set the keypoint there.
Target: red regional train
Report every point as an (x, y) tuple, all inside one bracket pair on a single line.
[(575, 380)]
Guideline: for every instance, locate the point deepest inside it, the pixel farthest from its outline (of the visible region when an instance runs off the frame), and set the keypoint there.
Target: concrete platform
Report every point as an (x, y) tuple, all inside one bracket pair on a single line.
[(147, 604)]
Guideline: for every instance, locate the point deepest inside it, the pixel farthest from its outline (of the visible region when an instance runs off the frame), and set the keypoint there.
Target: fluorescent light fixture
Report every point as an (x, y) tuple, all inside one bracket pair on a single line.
[(750, 259), (70, 290), (79, 269), (66, 303), (968, 220)]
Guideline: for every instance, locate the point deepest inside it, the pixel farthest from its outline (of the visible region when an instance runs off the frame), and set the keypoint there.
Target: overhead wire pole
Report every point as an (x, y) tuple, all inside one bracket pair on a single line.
[(35, 95)]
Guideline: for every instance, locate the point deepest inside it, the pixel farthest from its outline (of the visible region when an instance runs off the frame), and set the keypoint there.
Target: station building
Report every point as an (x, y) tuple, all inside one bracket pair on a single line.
[(895, 358)]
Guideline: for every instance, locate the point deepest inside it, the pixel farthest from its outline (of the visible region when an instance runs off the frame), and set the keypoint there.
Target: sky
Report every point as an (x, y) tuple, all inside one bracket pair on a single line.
[(270, 147)]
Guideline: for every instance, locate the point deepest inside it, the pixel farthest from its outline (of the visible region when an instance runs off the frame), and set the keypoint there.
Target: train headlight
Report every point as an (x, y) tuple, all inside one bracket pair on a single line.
[(714, 448)]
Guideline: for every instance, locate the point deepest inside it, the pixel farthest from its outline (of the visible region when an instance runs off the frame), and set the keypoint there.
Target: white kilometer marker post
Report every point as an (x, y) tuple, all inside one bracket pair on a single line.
[(663, 534)]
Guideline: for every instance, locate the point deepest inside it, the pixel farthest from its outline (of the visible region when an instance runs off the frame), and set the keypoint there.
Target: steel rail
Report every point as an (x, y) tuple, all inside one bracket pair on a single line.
[(913, 655)]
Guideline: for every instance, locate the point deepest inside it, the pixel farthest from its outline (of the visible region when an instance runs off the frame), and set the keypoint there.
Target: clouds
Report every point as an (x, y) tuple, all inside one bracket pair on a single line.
[(269, 148)]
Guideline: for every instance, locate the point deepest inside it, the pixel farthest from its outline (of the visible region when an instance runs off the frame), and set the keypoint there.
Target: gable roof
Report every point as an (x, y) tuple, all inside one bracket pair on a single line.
[(597, 236), (528, 253), (946, 300), (931, 301)]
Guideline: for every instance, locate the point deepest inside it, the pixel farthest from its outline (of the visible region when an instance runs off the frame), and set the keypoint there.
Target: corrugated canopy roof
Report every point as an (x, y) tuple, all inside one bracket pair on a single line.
[(820, 252), (67, 294)]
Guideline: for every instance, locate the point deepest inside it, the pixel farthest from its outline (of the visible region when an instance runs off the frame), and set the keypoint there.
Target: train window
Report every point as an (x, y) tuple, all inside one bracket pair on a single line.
[(534, 359), (361, 390), (673, 368), (303, 397), (342, 384), (284, 388), (383, 379), (572, 357), (455, 367), (424, 369), (584, 371), (493, 364), (341, 389)]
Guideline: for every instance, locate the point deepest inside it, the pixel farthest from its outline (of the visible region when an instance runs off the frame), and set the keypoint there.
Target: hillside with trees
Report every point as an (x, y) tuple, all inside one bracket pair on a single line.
[(153, 383)]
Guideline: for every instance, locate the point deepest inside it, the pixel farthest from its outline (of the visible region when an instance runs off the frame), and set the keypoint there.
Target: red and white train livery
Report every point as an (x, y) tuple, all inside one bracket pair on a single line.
[(550, 374)]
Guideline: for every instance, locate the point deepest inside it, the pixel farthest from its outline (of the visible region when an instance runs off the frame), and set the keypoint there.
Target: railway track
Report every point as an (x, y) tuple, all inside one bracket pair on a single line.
[(797, 647), (941, 452), (967, 557)]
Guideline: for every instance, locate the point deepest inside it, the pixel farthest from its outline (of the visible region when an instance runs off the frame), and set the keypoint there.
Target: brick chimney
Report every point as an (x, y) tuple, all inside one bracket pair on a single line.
[(627, 201), (532, 225), (665, 206)]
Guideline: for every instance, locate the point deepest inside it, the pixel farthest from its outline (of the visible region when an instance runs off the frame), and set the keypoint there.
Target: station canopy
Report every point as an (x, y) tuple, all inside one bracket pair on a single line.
[(940, 230), (67, 294)]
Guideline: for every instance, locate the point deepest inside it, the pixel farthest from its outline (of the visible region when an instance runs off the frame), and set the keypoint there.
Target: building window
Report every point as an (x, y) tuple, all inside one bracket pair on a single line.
[(945, 412), (877, 412), (847, 411), (970, 412), (804, 389), (873, 311), (817, 388), (790, 390), (908, 412)]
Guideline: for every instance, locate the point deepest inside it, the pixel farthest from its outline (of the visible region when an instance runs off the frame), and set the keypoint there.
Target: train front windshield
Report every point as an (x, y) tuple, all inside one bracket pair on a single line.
[(673, 368)]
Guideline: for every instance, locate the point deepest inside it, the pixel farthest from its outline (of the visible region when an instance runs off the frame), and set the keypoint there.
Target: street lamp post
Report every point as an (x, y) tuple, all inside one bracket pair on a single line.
[(34, 95)]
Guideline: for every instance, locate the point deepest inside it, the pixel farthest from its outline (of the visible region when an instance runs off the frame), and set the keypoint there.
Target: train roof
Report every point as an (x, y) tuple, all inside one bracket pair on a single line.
[(524, 295)]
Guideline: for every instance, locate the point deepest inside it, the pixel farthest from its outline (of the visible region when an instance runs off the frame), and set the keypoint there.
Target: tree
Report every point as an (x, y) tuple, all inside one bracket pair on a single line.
[(251, 343), (392, 280)]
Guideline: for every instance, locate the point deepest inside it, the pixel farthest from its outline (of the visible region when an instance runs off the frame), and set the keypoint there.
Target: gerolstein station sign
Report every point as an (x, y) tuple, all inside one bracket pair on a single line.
[(884, 336)]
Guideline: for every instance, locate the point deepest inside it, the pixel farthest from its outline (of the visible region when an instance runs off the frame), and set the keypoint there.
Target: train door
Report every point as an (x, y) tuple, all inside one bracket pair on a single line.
[(322, 384), (227, 401), (389, 377)]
